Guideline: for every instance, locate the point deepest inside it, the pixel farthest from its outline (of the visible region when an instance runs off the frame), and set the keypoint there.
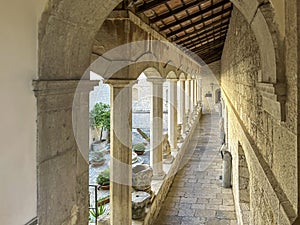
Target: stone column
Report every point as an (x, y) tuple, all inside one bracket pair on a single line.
[(192, 95), (195, 93), (188, 102), (172, 113), (199, 91), (121, 151), (62, 151), (195, 96), (182, 105), (156, 128)]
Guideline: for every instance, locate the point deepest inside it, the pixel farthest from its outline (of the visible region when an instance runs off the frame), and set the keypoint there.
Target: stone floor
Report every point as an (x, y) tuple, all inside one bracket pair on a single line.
[(196, 196)]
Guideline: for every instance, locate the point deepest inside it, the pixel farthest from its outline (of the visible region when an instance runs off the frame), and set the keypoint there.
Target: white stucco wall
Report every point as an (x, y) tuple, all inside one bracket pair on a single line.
[(18, 67)]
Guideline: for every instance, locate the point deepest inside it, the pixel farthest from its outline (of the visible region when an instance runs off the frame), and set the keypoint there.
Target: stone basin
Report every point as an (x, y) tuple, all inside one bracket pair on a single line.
[(141, 177), (140, 201)]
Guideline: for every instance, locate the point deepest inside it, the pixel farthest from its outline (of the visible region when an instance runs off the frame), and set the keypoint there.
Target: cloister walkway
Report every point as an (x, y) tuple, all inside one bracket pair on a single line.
[(196, 196)]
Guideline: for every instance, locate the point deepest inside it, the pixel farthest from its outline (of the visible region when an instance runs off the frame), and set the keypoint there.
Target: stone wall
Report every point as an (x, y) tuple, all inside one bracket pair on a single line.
[(269, 144), (216, 70)]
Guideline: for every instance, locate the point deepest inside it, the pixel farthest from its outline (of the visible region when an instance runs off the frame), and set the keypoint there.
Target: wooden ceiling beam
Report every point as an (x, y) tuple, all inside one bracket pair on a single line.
[(195, 15), (176, 11), (211, 50), (144, 7), (199, 22), (222, 22), (209, 47), (209, 61), (213, 54), (209, 39), (205, 50), (203, 38), (209, 44)]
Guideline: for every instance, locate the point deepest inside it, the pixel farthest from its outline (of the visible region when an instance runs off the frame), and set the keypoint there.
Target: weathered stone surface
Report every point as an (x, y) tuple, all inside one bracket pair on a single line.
[(269, 145), (62, 169), (140, 200), (141, 177), (195, 203)]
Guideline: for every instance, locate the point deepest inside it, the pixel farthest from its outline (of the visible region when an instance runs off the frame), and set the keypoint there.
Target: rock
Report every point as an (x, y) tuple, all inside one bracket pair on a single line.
[(140, 200), (141, 177)]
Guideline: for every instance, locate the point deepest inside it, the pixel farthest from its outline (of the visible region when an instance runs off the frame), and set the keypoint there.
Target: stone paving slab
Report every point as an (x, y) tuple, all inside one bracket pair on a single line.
[(196, 196)]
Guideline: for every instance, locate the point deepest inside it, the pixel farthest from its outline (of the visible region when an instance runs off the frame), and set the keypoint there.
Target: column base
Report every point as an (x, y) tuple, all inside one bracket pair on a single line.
[(168, 159), (180, 139), (159, 176), (175, 149)]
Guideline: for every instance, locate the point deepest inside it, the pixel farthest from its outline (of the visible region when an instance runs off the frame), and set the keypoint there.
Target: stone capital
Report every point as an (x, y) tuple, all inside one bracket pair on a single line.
[(172, 79), (156, 80), (58, 87), (120, 83)]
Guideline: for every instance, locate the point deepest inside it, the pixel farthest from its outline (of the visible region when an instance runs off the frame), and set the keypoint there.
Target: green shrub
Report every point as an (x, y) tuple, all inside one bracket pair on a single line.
[(103, 177), (100, 116), (139, 147)]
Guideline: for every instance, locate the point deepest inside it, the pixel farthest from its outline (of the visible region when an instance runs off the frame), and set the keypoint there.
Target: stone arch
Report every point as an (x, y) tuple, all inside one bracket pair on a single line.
[(171, 75), (152, 72), (243, 186), (182, 76), (260, 17), (66, 35), (271, 79)]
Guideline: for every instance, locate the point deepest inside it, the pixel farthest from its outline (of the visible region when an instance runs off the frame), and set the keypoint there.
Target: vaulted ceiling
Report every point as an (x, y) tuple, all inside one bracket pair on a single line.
[(198, 25)]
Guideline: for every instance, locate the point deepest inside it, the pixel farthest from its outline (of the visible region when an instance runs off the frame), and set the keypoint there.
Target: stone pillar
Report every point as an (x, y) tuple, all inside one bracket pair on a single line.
[(121, 151), (62, 151), (195, 93), (172, 113), (192, 95), (200, 90), (195, 96), (188, 102), (182, 105), (156, 128)]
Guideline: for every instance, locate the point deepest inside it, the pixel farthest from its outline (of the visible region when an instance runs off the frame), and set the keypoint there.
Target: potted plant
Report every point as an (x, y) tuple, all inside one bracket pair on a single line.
[(97, 158), (139, 148), (103, 179), (100, 119)]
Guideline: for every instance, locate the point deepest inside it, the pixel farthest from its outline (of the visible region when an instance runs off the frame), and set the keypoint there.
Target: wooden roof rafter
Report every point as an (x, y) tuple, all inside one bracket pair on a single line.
[(215, 25), (199, 26), (149, 5), (220, 40), (185, 7), (172, 33), (197, 14), (221, 29)]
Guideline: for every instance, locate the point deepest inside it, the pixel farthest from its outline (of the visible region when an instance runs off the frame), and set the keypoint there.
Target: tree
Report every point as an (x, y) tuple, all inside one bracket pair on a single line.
[(100, 118)]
